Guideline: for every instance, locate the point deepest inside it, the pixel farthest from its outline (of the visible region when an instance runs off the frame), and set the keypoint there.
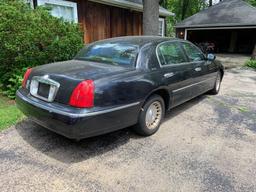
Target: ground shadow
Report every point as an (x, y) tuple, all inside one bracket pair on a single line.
[(181, 108), (69, 151)]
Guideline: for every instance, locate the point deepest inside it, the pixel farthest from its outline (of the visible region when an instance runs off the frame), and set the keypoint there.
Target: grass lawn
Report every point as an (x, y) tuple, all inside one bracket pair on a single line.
[(251, 63), (9, 114)]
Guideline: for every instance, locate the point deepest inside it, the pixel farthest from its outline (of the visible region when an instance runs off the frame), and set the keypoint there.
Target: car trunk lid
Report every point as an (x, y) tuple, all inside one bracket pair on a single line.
[(70, 73), (79, 70)]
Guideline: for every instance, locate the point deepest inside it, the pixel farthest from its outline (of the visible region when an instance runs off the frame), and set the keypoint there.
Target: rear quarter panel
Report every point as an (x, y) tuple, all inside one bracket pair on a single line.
[(123, 89)]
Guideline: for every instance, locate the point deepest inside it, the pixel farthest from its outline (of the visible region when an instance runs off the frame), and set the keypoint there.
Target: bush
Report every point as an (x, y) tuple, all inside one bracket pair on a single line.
[(31, 37), (251, 63)]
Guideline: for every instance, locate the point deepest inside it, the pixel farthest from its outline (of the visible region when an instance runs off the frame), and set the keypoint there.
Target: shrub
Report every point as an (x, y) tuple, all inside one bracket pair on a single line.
[(251, 63), (31, 37)]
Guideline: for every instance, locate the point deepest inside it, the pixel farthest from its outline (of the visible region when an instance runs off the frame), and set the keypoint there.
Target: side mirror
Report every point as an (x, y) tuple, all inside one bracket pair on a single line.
[(211, 57)]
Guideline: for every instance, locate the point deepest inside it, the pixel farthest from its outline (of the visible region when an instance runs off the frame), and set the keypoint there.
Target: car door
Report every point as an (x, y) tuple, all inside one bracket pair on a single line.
[(203, 73), (176, 71)]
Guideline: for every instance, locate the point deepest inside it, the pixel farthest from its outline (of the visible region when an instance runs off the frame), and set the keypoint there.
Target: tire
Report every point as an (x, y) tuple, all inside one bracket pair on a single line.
[(147, 124), (217, 84)]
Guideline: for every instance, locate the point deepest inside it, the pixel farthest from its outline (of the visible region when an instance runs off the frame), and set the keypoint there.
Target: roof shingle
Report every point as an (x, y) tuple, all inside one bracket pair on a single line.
[(225, 13)]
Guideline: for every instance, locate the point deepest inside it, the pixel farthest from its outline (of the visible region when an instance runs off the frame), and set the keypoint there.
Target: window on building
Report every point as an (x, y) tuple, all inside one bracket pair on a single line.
[(62, 9), (161, 27)]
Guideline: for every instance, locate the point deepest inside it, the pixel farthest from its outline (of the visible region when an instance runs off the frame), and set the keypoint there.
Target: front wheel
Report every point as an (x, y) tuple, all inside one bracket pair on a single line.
[(151, 116), (217, 84)]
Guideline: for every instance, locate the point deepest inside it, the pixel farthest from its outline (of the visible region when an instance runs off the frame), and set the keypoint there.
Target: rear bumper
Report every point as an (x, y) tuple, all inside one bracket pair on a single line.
[(77, 123)]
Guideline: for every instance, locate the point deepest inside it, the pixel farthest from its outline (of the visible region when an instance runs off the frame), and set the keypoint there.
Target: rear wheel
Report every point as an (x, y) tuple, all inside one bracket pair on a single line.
[(216, 88), (151, 116)]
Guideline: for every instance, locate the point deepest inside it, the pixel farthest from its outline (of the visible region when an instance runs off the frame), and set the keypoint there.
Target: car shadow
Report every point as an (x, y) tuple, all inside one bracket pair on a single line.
[(183, 107), (70, 151)]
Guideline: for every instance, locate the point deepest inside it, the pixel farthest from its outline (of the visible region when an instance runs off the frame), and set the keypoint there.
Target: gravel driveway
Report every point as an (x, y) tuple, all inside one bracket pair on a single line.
[(207, 144)]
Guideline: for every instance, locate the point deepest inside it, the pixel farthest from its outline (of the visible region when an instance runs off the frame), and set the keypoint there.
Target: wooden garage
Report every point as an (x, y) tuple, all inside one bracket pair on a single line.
[(101, 19), (227, 27)]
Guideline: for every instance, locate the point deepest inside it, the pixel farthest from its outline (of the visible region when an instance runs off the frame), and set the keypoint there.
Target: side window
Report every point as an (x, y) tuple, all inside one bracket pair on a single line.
[(194, 54), (171, 53)]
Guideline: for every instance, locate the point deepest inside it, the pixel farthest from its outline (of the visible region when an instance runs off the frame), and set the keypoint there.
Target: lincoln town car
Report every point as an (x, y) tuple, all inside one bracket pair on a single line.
[(117, 83)]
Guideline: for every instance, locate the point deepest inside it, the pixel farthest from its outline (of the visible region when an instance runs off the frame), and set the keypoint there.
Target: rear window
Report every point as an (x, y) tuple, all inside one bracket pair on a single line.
[(120, 54)]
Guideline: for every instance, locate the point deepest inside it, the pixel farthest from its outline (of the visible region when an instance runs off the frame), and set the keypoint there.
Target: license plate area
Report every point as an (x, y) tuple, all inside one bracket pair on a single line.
[(44, 88)]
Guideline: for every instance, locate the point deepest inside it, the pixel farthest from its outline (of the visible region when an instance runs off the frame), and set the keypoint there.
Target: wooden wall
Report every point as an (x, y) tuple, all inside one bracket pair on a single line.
[(100, 21)]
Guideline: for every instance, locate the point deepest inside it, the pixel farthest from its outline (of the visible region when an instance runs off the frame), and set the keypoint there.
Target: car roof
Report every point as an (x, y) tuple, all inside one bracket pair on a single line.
[(137, 40)]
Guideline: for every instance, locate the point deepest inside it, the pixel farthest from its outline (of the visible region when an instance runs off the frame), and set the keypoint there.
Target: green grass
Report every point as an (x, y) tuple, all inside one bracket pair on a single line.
[(9, 114), (251, 63)]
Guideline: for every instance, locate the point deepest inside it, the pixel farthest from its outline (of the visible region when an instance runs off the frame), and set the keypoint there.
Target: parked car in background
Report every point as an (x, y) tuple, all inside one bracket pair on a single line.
[(117, 83)]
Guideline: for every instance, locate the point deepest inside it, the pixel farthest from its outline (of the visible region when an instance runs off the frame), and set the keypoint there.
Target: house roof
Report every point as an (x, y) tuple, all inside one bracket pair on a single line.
[(228, 13), (136, 5)]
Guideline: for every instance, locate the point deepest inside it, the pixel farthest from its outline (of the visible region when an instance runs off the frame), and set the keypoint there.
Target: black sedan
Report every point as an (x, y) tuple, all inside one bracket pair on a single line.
[(117, 83)]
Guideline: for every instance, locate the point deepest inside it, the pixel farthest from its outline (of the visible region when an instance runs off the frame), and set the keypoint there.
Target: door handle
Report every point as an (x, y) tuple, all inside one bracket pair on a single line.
[(198, 69), (168, 75)]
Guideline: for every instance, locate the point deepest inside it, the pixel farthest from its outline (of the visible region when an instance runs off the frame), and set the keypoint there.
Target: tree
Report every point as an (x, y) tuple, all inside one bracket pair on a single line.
[(182, 10), (210, 3), (32, 37), (253, 3), (150, 17)]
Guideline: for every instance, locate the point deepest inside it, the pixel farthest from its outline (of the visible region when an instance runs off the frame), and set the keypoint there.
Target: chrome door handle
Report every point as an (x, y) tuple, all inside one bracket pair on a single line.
[(168, 75), (198, 69)]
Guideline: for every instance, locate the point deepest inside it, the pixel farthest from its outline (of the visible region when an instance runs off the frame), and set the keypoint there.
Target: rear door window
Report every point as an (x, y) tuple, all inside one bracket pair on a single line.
[(171, 53), (193, 53)]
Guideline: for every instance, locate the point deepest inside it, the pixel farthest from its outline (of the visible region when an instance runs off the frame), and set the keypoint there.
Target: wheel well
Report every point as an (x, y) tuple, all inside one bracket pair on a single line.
[(164, 94), (222, 73)]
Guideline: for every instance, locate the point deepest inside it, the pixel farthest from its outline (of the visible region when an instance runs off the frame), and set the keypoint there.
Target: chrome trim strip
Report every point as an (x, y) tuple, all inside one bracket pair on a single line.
[(73, 115), (176, 90)]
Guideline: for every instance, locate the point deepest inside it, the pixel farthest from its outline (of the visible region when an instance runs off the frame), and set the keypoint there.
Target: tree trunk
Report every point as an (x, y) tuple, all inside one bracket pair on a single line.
[(210, 3), (184, 8), (150, 17), (254, 52)]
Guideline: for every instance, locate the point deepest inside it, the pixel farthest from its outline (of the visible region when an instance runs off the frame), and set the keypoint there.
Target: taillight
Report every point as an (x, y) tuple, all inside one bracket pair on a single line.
[(83, 95), (26, 76)]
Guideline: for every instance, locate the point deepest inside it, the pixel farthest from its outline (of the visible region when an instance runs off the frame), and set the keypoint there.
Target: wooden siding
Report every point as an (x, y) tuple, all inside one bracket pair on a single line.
[(100, 21)]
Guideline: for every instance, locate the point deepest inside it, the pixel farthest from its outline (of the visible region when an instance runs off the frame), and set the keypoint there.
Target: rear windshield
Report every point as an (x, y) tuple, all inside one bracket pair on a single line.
[(120, 54)]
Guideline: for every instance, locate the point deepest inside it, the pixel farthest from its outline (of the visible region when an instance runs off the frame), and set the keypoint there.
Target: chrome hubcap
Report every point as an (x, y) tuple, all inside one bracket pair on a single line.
[(218, 81), (153, 115)]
